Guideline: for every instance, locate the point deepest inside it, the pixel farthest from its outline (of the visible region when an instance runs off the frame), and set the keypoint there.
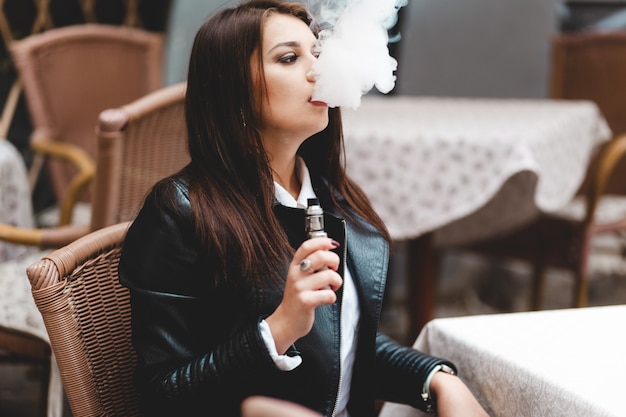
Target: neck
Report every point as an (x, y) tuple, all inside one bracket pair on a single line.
[(288, 178)]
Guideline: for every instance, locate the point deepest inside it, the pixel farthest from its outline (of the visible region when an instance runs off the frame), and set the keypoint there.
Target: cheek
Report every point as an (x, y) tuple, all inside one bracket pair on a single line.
[(279, 84), (280, 104), (279, 93)]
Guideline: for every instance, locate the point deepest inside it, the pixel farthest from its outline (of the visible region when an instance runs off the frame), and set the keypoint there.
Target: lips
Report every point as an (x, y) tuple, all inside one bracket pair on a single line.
[(318, 103)]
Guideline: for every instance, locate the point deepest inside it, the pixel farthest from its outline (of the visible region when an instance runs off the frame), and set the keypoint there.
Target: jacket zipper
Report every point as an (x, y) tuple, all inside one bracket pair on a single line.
[(345, 267)]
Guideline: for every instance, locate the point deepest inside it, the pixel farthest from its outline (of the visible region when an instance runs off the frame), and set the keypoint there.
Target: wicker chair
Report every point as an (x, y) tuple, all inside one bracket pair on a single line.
[(87, 315), (137, 145), (592, 66), (564, 239), (589, 66), (71, 74)]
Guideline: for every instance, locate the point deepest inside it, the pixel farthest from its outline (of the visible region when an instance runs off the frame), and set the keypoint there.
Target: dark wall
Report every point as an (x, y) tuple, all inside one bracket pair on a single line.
[(586, 15)]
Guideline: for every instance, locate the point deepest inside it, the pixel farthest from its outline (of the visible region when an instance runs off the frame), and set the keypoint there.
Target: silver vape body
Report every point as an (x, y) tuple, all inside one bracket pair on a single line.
[(314, 222), (314, 219)]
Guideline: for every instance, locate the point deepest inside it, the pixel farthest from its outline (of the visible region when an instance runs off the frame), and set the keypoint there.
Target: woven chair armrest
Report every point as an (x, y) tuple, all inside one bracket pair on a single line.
[(80, 159), (66, 258), (600, 175), (45, 238)]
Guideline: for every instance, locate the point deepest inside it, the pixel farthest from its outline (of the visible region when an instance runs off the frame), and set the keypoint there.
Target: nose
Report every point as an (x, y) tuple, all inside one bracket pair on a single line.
[(311, 76)]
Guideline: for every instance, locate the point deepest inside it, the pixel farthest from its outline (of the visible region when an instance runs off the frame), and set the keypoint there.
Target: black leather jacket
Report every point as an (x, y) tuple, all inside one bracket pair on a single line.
[(199, 348)]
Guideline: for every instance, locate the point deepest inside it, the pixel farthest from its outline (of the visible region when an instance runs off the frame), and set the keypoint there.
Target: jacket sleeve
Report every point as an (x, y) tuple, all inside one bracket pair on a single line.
[(401, 371), (187, 351)]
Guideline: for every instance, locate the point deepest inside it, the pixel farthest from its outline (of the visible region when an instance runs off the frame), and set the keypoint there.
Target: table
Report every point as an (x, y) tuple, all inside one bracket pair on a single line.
[(443, 170), (15, 200), (17, 307), (558, 363)]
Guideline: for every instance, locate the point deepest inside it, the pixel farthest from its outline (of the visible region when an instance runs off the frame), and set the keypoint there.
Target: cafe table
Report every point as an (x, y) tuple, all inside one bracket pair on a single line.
[(18, 311), (15, 198), (451, 170), (553, 363)]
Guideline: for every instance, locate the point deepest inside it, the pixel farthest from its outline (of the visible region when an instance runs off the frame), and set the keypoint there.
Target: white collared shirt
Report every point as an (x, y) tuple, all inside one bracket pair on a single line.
[(349, 308)]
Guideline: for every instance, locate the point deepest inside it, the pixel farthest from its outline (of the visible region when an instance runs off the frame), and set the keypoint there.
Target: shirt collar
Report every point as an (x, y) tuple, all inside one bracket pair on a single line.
[(306, 190)]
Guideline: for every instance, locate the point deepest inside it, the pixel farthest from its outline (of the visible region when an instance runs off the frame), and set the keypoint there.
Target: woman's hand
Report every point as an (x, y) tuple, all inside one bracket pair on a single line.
[(259, 406), (304, 291), (453, 397)]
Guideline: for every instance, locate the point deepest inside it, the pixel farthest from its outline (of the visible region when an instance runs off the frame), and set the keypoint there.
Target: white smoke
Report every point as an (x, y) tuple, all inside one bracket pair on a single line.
[(354, 49)]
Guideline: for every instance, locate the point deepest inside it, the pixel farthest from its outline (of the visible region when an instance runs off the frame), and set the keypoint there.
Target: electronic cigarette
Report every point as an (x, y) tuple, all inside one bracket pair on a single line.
[(314, 219), (314, 222)]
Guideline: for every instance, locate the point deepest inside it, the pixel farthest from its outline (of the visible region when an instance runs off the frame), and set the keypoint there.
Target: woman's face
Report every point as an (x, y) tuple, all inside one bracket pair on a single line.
[(288, 51)]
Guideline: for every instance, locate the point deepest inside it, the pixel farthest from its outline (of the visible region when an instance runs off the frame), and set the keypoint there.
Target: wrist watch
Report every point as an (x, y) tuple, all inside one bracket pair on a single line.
[(426, 397)]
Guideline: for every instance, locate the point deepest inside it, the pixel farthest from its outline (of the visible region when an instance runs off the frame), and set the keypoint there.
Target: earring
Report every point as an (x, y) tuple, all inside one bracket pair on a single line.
[(243, 118)]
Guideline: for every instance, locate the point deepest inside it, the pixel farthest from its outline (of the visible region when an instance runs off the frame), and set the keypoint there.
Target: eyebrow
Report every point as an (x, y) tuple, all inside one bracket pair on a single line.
[(288, 43)]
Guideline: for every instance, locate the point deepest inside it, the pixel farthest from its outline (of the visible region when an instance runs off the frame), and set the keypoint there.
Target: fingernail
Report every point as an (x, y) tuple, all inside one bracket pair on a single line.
[(335, 243)]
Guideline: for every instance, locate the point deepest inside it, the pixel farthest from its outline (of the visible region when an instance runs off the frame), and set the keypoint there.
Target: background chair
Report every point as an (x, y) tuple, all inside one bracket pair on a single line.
[(71, 74), (87, 315), (587, 66), (22, 335), (592, 66), (137, 145)]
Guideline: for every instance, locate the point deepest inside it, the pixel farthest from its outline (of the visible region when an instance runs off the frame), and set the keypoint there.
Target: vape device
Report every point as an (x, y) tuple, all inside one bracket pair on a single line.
[(314, 222), (314, 219)]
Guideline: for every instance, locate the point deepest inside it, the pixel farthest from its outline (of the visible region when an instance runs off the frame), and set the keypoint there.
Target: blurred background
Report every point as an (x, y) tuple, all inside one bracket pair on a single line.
[(458, 48), (488, 48)]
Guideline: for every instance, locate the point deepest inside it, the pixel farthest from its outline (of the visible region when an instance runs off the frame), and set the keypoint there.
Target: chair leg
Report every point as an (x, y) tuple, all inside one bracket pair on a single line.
[(44, 385), (581, 274), (581, 289), (421, 283), (537, 287)]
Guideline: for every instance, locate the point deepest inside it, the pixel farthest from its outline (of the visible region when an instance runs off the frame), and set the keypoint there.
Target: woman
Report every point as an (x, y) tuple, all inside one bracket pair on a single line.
[(229, 297)]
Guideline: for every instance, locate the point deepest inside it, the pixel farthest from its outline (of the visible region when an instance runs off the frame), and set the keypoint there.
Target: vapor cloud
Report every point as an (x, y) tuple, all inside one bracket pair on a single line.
[(354, 49)]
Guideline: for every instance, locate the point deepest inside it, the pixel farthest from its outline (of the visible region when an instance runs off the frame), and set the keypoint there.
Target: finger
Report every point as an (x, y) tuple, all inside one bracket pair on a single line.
[(307, 266), (312, 245), (325, 259), (334, 282), (318, 297), (319, 260), (324, 279)]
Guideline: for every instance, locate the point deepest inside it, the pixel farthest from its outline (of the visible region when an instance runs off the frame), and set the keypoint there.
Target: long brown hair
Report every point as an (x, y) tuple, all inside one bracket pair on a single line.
[(231, 184)]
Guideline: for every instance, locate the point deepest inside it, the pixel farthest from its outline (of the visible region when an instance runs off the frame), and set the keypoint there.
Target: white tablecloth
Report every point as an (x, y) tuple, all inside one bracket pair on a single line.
[(430, 163), (559, 363), (15, 201), (17, 307)]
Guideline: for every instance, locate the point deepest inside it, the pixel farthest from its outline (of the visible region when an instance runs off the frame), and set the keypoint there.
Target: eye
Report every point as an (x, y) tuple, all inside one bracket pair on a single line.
[(316, 49), (288, 58)]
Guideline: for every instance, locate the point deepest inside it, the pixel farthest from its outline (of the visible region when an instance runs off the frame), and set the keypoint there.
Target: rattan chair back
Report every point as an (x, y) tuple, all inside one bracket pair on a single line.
[(70, 74), (138, 144), (585, 66), (591, 65), (87, 315)]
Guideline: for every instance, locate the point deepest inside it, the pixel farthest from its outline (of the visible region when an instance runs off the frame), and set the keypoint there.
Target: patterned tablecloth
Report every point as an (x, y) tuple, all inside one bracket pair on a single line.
[(15, 203), (468, 168), (559, 363), (17, 307)]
